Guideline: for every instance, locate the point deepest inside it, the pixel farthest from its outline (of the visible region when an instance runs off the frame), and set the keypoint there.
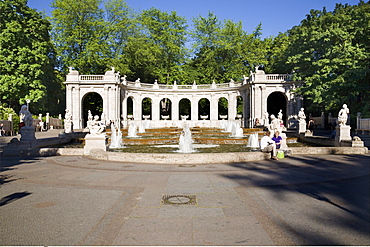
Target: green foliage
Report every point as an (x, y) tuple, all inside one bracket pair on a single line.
[(4, 115), (26, 56), (224, 51), (329, 51)]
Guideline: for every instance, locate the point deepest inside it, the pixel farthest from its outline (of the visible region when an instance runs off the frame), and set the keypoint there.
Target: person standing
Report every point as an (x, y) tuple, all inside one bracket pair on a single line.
[(311, 125)]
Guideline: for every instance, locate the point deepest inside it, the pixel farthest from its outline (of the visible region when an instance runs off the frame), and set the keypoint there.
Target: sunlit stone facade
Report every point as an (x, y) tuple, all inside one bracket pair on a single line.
[(259, 93)]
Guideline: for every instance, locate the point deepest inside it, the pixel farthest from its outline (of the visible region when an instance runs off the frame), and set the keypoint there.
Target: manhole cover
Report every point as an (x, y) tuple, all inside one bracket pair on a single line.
[(179, 200), (187, 165)]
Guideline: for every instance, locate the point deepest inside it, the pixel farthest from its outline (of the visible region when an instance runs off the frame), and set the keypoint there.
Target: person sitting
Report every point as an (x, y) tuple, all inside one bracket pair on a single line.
[(277, 139), (257, 123), (268, 145), (2, 131)]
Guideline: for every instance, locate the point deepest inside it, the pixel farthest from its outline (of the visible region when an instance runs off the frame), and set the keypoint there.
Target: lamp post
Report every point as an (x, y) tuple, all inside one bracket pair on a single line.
[(28, 102)]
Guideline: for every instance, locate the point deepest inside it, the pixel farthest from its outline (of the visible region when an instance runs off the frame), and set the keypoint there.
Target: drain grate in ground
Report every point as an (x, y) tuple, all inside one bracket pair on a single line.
[(179, 200)]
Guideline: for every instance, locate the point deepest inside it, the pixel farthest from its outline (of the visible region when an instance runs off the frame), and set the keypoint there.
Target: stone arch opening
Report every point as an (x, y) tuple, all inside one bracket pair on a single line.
[(239, 105), (165, 108), (130, 106), (92, 102), (223, 107), (277, 101), (185, 108), (146, 108), (204, 108)]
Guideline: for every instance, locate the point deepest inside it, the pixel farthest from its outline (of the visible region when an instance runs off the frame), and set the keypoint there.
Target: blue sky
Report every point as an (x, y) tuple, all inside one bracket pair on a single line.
[(275, 15)]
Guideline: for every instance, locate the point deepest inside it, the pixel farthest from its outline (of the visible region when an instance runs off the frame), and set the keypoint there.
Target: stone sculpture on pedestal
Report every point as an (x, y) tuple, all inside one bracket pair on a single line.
[(301, 121), (96, 139), (343, 131), (27, 130), (68, 124)]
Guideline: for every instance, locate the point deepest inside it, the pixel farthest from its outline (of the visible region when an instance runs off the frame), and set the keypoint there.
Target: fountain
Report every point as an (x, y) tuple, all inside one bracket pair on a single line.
[(141, 127), (116, 138), (186, 142), (237, 130), (253, 141), (132, 130)]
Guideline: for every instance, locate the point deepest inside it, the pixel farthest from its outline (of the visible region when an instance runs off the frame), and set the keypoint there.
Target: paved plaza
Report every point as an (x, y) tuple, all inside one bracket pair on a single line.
[(74, 200)]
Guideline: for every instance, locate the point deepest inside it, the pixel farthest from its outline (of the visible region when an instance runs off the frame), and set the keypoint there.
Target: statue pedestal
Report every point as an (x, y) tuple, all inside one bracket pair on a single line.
[(27, 133), (68, 127), (283, 144), (302, 127), (343, 133), (95, 141)]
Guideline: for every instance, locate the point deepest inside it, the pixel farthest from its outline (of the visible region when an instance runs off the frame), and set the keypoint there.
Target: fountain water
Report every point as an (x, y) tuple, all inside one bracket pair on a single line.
[(116, 138), (141, 127), (237, 130), (253, 141), (186, 142), (132, 130)]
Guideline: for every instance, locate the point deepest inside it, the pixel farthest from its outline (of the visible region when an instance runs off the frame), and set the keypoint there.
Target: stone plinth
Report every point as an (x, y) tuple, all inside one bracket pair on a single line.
[(343, 133), (283, 144), (28, 133), (68, 127), (95, 141), (302, 127)]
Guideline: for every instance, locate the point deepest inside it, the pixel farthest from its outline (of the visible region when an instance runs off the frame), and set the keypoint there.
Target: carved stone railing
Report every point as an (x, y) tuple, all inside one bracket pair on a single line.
[(278, 77), (91, 77), (184, 87)]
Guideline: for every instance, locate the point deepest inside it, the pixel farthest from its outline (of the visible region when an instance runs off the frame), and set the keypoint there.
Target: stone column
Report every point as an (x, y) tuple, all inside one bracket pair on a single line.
[(194, 108), (358, 120), (137, 107), (232, 106), (76, 107), (213, 115), (155, 108), (322, 120), (175, 109)]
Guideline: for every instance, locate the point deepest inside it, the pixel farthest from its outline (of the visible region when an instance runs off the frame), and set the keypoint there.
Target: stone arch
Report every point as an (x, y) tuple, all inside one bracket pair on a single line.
[(130, 106), (277, 101), (204, 108), (165, 108), (223, 107), (91, 101), (146, 107), (185, 108)]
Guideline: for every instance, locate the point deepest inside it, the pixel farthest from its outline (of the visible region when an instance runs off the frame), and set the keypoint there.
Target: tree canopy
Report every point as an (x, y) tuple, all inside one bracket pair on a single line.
[(26, 57), (329, 51)]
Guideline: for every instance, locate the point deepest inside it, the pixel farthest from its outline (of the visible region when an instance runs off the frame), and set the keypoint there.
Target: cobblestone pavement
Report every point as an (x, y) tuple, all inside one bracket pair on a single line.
[(74, 200)]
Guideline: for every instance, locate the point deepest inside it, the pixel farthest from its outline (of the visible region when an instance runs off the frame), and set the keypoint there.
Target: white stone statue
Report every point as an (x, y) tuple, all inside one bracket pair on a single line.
[(280, 114), (25, 116), (96, 127), (89, 116), (343, 116), (68, 116), (301, 116), (68, 126), (266, 119), (275, 124)]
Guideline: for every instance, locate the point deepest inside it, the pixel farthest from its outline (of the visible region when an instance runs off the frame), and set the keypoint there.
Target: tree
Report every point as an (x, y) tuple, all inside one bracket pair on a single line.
[(79, 35), (224, 51), (329, 51), (166, 35), (26, 57)]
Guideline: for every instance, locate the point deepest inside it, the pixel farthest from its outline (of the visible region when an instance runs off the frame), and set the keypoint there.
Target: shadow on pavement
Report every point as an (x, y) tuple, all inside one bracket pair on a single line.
[(342, 181)]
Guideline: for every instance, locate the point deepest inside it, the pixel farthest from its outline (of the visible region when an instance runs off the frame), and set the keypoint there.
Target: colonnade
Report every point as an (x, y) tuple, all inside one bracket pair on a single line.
[(116, 92)]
